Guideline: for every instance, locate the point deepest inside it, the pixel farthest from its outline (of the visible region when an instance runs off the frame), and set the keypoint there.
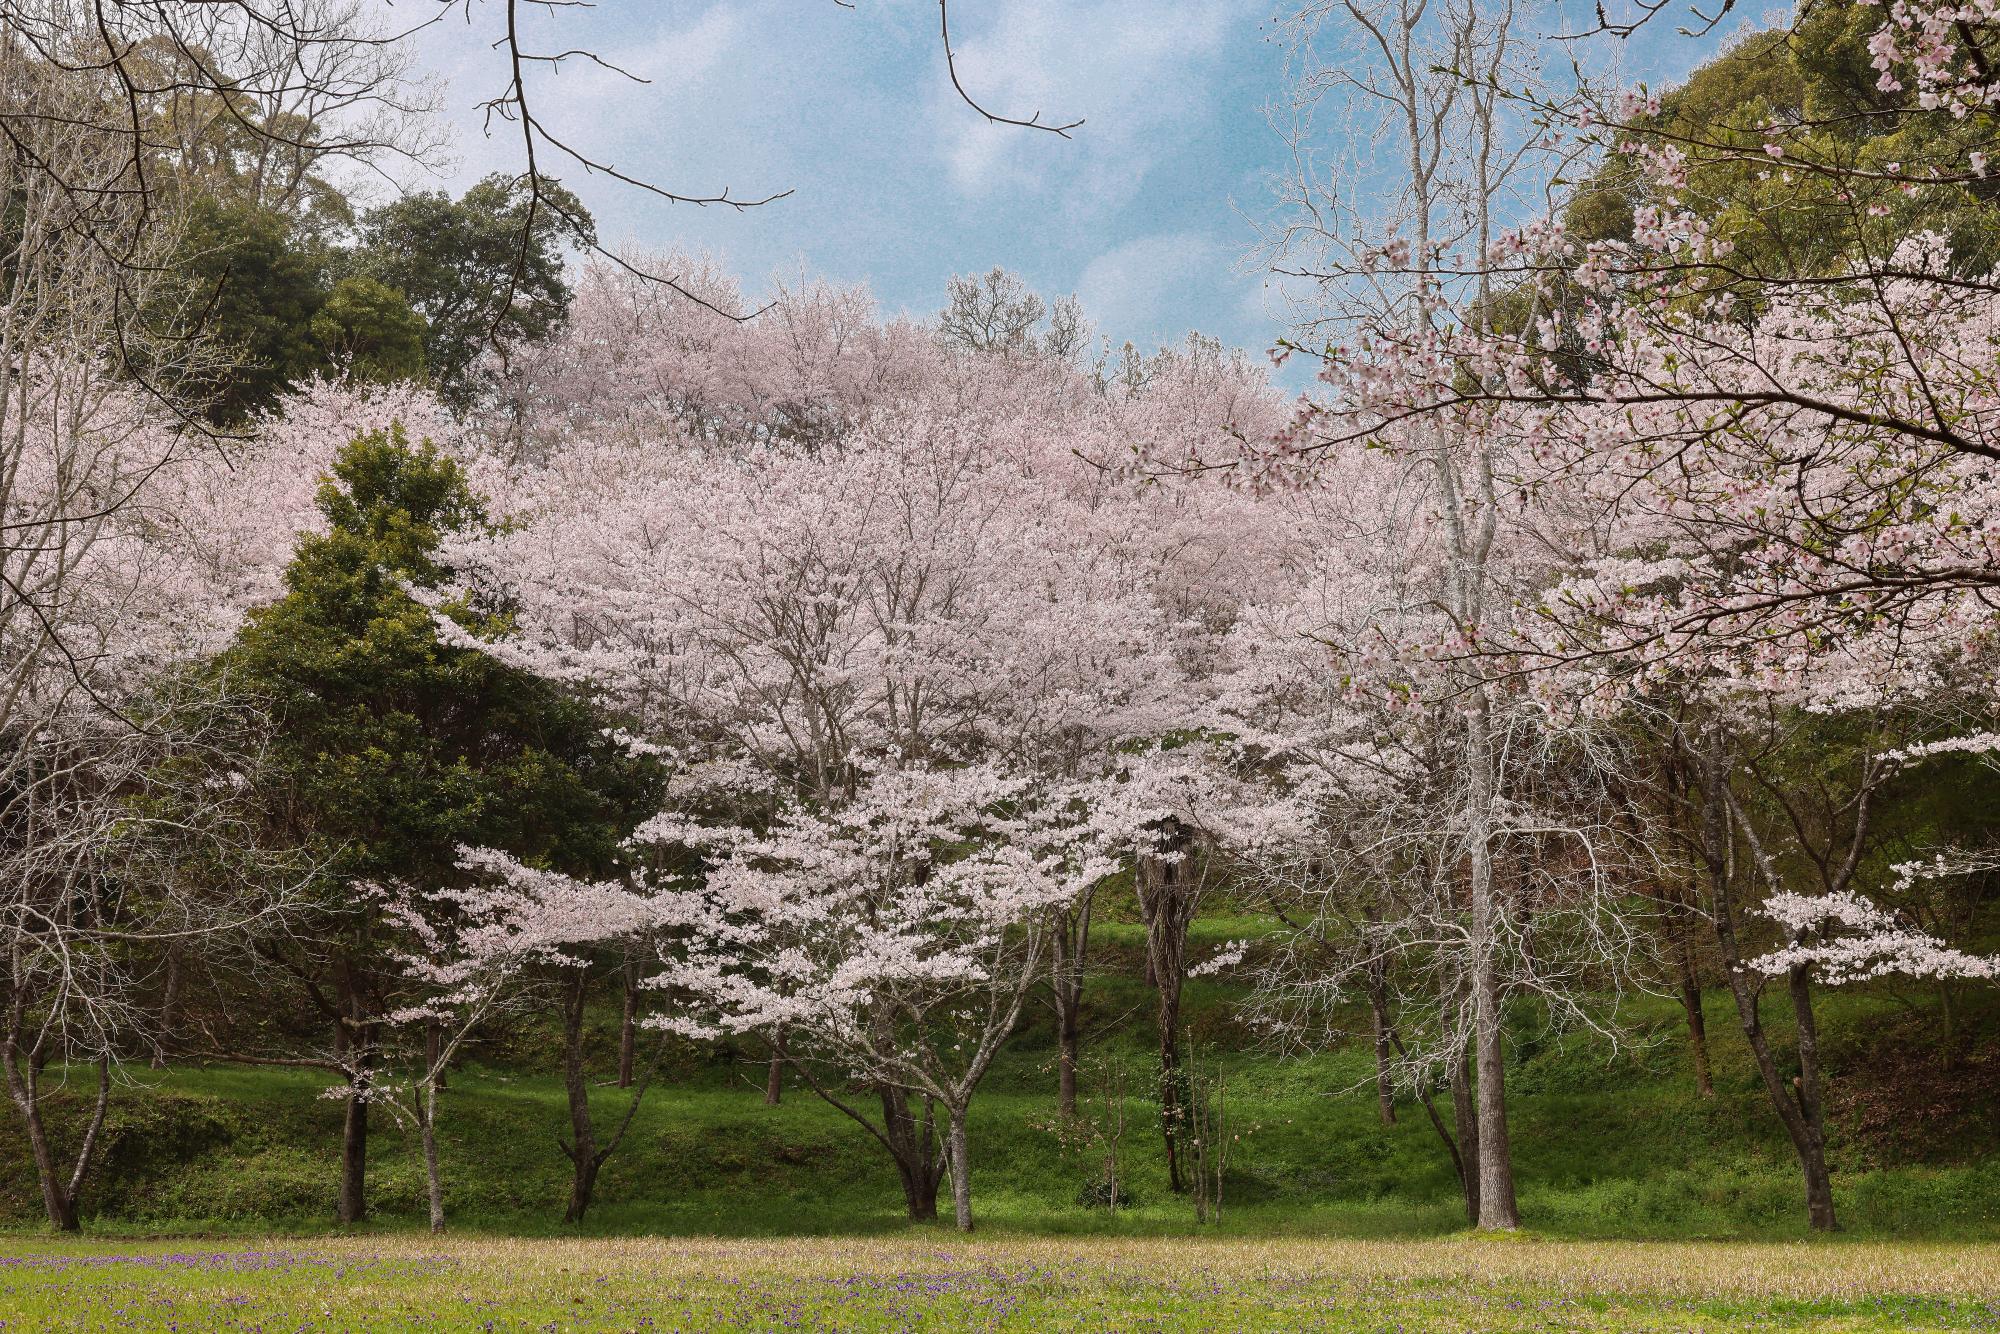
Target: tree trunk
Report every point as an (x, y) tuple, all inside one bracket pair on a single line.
[(774, 1076), (353, 1047), (60, 1199), (1810, 1087), (1378, 1014), (434, 1053), (1069, 941), (427, 1132), (961, 1172), (1066, 1058), (913, 1145), (1497, 1209), (1166, 901), (1800, 1112), (628, 1025), (1173, 1080), (1465, 1114), (352, 1205), (1704, 1080), (170, 1005), (582, 1148)]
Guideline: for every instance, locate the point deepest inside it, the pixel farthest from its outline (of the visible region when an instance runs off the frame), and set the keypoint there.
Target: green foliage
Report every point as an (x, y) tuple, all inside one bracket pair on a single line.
[(1609, 1143), (458, 260), (260, 285), (370, 331), (255, 291), (1813, 90), (394, 747)]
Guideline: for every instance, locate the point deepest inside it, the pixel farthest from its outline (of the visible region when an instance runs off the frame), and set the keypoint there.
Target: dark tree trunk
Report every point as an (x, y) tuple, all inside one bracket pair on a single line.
[(1070, 941), (1798, 1105), (913, 1143), (170, 1006), (1378, 1015), (774, 1073), (1465, 1113), (1168, 890), (1697, 1025), (61, 1199), (582, 1147), (1173, 1091), (628, 1022), (1468, 1127), (586, 1153), (353, 1047)]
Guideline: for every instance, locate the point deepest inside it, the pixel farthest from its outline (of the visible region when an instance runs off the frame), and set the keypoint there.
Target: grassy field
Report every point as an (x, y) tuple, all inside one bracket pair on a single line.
[(406, 1283)]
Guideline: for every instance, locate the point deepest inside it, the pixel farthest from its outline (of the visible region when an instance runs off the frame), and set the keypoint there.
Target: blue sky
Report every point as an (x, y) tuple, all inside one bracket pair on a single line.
[(1146, 212)]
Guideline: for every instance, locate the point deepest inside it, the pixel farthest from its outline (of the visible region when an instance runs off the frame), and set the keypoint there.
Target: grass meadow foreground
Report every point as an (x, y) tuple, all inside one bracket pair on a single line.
[(410, 1283)]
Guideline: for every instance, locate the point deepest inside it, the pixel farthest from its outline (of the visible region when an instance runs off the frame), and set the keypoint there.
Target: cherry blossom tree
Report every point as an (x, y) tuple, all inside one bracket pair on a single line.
[(475, 952), (893, 938)]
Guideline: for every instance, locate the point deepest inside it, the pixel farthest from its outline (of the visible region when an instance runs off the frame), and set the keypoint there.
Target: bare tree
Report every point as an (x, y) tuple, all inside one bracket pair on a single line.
[(118, 845), (1424, 80), (996, 312)]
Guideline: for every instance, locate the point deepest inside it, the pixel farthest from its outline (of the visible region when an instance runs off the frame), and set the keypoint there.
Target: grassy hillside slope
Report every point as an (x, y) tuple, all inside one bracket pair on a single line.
[(1610, 1140)]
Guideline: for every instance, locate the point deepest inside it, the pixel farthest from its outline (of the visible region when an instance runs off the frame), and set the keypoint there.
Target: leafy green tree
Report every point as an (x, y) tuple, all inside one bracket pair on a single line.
[(1815, 81), (475, 269), (371, 331), (395, 747), (255, 291), (262, 287)]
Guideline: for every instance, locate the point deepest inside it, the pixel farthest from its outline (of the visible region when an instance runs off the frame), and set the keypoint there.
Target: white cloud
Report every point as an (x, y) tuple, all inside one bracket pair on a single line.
[(1134, 290), (675, 60), (1136, 72)]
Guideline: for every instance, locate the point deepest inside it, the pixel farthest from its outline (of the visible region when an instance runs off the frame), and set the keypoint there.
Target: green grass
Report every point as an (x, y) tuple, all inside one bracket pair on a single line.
[(1021, 1284), (1610, 1143)]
